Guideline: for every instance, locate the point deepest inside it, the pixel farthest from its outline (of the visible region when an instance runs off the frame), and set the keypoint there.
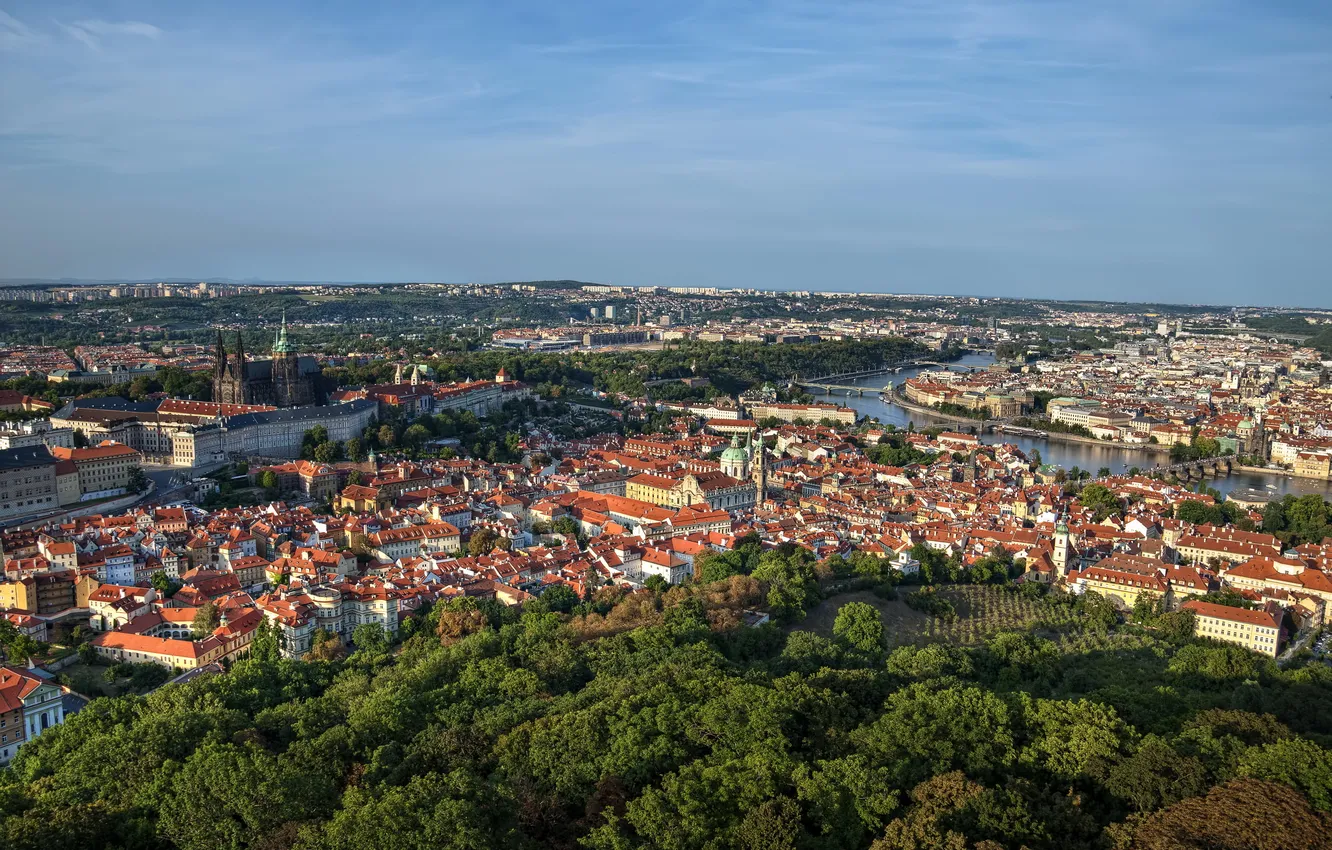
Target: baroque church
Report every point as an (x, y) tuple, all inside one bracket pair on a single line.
[(741, 483), (284, 380)]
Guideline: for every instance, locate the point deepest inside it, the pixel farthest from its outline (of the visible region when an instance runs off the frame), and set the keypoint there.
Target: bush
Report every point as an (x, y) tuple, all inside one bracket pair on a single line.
[(141, 676), (928, 601), (145, 676), (1033, 589), (886, 590), (859, 625)]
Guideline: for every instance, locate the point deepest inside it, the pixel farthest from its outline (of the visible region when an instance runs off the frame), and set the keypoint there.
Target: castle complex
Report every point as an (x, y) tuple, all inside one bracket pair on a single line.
[(284, 380)]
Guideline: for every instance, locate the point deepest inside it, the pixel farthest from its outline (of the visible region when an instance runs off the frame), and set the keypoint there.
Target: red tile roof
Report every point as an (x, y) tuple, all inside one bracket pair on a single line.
[(15, 685), (1234, 615)]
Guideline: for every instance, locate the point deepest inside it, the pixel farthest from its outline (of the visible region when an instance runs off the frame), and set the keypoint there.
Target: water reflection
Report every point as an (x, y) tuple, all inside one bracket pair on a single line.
[(1118, 459)]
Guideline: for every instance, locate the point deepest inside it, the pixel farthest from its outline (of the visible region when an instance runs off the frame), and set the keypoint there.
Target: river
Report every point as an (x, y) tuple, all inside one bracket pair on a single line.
[(1066, 454)]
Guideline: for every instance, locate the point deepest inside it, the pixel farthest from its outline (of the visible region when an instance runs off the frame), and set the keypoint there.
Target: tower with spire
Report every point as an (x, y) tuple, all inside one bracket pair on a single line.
[(219, 366), (280, 343), (231, 376), (289, 388), (1062, 547), (759, 469), (278, 380)]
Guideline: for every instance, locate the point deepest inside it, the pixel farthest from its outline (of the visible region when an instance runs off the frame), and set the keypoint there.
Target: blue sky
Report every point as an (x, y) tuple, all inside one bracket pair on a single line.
[(1132, 149)]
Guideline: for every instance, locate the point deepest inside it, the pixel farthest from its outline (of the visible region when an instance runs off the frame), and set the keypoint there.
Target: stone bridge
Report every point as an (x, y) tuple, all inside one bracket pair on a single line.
[(1196, 470)]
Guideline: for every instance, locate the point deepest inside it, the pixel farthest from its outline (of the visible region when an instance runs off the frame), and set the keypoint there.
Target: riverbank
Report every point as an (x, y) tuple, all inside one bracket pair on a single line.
[(901, 401), (1264, 470), (1278, 472), (1059, 436), (1054, 436), (1092, 455), (915, 363)]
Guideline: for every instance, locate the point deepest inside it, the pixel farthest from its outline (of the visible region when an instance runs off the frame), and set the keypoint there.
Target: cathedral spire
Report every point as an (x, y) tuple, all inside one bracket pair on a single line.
[(241, 372), (220, 355), (280, 345)]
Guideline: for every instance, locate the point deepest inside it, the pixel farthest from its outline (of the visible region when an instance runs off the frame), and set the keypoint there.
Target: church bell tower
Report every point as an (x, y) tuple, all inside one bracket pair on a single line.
[(759, 468)]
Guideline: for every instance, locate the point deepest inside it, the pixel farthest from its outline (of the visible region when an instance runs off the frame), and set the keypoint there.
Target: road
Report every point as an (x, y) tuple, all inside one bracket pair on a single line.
[(162, 477)]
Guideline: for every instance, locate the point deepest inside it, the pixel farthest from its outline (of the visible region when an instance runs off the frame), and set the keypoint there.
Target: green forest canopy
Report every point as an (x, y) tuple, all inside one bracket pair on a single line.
[(730, 366), (496, 728)]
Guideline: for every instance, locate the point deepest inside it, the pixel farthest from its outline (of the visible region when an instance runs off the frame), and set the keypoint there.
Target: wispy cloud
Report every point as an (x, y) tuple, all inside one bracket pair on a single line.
[(588, 47), (110, 28), (91, 32), (82, 36), (15, 34)]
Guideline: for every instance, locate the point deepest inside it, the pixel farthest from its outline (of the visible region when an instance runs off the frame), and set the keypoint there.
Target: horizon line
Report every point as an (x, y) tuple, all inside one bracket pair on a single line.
[(22, 281)]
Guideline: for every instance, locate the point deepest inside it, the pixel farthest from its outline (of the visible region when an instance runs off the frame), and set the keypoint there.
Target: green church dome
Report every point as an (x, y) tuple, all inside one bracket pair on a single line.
[(735, 454)]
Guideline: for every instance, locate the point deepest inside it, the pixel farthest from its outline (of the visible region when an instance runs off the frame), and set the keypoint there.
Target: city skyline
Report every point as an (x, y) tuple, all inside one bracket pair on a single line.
[(182, 281), (1027, 149)]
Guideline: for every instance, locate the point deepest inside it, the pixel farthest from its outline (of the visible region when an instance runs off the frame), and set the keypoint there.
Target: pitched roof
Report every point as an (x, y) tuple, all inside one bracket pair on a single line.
[(156, 646), (1234, 615), (25, 456), (15, 686), (106, 450), (1123, 578)]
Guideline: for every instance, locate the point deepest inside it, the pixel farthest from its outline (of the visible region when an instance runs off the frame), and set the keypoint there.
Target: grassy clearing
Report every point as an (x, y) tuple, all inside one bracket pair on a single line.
[(898, 619), (982, 610)]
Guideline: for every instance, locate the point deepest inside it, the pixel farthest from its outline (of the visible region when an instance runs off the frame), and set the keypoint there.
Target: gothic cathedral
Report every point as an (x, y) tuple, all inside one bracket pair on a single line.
[(284, 380)]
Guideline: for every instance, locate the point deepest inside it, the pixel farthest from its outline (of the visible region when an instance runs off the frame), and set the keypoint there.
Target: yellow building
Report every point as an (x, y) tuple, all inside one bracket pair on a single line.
[(653, 489), (169, 652), (1230, 545), (47, 593), (1259, 631), (394, 543), (927, 392), (362, 499), (807, 412), (995, 403), (1312, 465), (1118, 586), (1003, 405), (19, 595)]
